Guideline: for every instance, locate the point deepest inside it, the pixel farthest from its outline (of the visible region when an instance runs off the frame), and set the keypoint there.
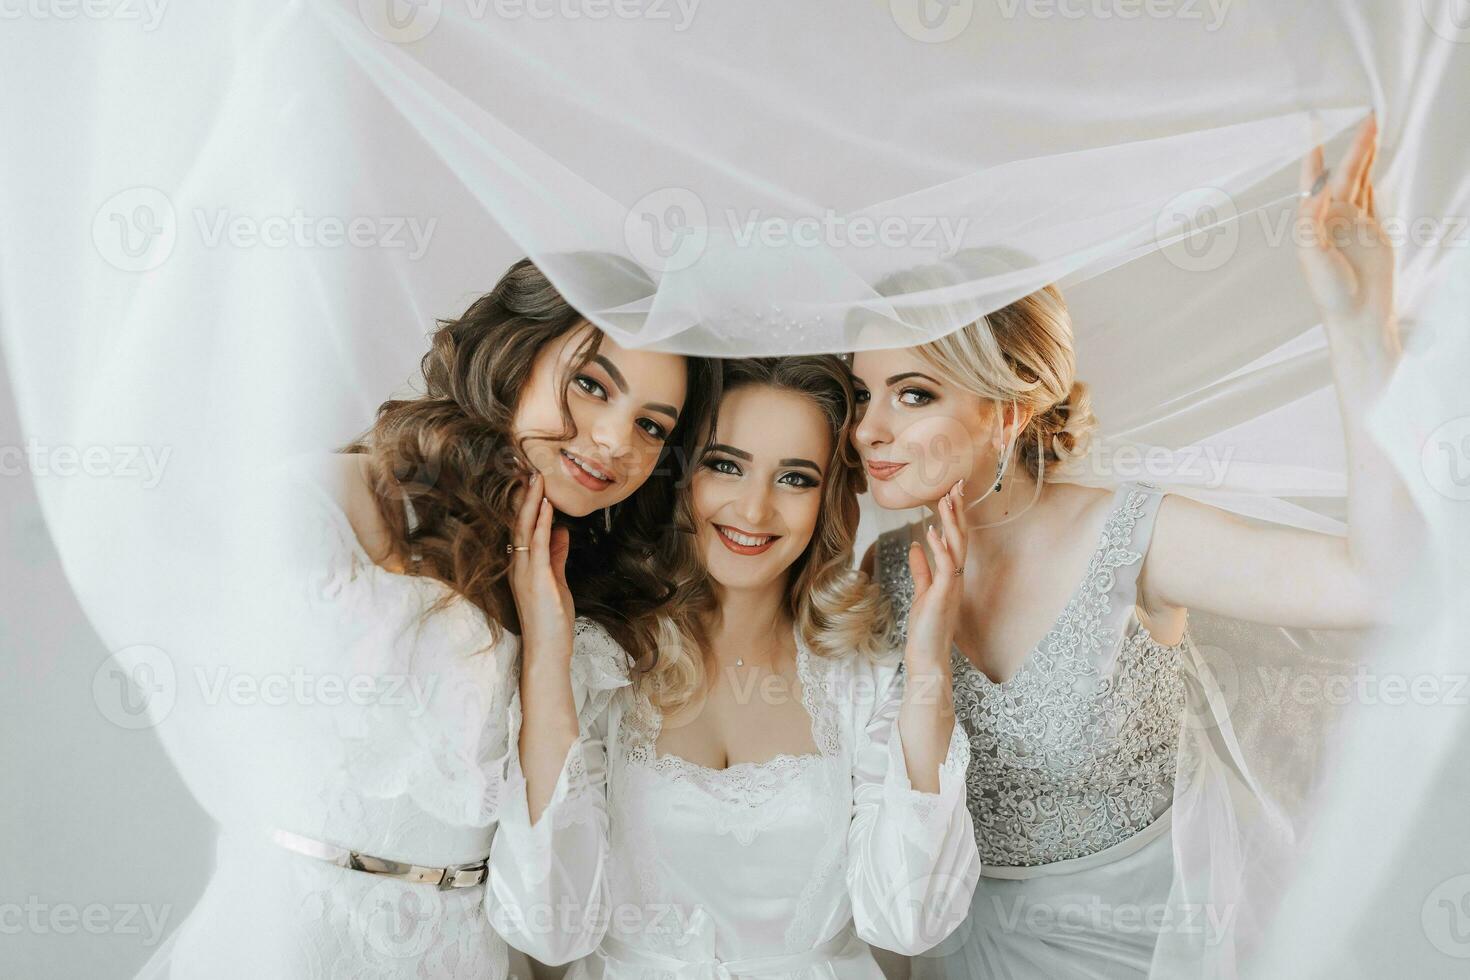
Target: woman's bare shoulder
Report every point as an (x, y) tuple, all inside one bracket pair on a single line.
[(345, 478), (1071, 504)]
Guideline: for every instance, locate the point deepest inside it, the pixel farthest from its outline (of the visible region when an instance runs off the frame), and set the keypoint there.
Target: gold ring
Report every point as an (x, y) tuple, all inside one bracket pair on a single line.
[(1318, 184), (511, 548), (960, 571)]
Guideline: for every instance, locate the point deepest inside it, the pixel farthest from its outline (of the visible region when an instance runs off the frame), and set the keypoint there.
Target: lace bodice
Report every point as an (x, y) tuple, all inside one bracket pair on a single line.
[(671, 810), (1076, 752)]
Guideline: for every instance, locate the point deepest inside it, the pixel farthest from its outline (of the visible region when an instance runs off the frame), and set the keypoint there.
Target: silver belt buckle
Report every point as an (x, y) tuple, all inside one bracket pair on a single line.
[(475, 873), (445, 878)]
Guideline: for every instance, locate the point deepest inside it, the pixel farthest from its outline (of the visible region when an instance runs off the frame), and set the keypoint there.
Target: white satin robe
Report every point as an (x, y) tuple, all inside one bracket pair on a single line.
[(789, 868)]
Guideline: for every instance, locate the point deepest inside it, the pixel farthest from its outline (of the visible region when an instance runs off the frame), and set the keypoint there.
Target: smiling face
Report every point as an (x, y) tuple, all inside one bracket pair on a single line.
[(757, 492), (623, 404), (918, 433)]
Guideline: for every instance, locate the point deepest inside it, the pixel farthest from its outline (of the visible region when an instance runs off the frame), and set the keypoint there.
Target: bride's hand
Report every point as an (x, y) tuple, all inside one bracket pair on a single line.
[(1347, 258), (937, 592), (538, 576)]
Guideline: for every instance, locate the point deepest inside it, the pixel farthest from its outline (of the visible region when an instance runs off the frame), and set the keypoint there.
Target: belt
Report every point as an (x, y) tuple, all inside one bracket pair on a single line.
[(627, 953), (450, 876)]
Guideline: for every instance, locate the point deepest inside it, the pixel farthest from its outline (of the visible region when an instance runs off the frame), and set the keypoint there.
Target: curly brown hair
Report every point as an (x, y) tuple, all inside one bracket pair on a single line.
[(451, 455)]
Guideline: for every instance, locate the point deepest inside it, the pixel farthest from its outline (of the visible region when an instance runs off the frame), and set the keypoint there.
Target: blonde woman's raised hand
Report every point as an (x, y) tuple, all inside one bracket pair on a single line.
[(1347, 258), (939, 588)]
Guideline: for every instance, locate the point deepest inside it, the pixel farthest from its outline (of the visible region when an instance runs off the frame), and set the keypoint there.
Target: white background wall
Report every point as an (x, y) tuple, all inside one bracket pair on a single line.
[(90, 814)]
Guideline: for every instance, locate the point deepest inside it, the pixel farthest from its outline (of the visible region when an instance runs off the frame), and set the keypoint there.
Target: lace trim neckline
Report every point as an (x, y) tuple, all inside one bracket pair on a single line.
[(737, 771)]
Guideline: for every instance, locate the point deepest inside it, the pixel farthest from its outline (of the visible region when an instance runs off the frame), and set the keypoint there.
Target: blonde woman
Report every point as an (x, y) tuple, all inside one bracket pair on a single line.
[(778, 797), (1072, 624)]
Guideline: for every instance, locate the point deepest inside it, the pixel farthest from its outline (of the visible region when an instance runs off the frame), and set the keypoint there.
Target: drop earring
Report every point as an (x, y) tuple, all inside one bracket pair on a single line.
[(1001, 462), (607, 519), (1003, 458)]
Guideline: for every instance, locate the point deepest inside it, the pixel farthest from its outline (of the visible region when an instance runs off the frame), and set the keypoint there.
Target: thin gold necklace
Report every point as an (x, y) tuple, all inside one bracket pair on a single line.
[(740, 661)]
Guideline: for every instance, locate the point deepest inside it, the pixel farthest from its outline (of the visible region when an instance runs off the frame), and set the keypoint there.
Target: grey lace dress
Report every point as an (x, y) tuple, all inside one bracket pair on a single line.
[(1071, 775)]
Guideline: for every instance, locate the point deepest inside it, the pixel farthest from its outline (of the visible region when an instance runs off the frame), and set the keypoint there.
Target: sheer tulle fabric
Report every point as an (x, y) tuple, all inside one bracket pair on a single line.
[(227, 232)]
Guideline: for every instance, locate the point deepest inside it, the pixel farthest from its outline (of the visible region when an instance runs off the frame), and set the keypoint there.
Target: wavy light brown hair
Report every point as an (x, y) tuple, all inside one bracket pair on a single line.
[(836, 608), (452, 455)]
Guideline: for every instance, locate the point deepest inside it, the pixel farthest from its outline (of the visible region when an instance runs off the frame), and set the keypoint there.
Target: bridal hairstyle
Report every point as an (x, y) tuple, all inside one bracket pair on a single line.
[(451, 454), (837, 609), (1022, 353)]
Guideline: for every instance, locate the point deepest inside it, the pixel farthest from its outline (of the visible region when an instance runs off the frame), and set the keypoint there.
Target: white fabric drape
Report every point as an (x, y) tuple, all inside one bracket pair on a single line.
[(227, 229)]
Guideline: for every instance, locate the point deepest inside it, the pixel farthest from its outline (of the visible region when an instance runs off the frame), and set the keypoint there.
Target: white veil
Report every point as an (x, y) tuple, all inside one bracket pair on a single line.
[(227, 230)]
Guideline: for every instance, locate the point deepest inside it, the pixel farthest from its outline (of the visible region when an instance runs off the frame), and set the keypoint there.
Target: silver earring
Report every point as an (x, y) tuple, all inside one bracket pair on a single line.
[(607, 519)]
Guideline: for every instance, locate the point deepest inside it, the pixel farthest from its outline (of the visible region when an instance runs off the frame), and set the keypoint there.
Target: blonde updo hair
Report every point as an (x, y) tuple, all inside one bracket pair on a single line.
[(1021, 353)]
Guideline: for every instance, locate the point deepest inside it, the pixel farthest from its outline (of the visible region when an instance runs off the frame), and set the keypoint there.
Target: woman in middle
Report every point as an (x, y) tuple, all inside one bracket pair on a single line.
[(782, 789)]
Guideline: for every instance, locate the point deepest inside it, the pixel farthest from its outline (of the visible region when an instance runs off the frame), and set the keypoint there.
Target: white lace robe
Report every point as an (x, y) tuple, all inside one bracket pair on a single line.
[(415, 771), (789, 867)]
